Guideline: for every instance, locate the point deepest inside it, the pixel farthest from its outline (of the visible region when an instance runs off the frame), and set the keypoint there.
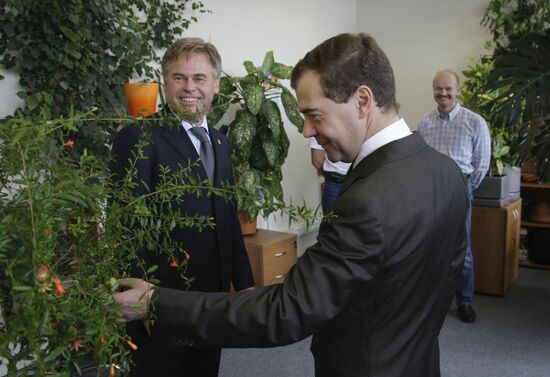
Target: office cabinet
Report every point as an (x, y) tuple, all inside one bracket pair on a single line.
[(495, 246), (271, 255)]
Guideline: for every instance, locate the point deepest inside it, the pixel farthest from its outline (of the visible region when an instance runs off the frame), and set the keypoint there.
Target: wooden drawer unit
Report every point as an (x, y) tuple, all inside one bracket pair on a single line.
[(495, 247), (271, 255)]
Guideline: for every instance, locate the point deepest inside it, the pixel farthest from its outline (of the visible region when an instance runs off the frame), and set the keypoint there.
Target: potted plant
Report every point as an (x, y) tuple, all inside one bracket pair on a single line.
[(495, 188), (256, 132), (506, 85), (487, 93), (522, 74), (142, 98)]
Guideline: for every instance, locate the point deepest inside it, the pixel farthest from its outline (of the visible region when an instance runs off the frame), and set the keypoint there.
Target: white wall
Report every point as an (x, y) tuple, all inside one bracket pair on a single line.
[(421, 37), (8, 89)]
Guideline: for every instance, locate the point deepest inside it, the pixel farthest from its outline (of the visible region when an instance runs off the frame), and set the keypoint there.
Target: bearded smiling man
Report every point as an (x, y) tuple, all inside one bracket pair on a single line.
[(462, 135), (177, 138)]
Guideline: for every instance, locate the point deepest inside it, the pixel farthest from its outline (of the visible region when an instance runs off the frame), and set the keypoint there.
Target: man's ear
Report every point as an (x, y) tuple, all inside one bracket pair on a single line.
[(364, 100)]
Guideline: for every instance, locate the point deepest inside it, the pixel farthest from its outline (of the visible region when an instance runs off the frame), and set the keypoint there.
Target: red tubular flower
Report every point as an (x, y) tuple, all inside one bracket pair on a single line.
[(69, 144), (76, 345), (173, 262), (112, 371), (59, 290), (132, 345), (186, 254)]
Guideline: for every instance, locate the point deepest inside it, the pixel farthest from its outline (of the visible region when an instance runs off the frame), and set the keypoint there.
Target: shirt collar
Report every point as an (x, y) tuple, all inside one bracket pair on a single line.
[(188, 126), (452, 114), (395, 131)]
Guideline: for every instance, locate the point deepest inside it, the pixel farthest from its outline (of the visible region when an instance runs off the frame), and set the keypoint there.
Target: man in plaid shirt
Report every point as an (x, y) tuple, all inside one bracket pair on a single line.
[(464, 136)]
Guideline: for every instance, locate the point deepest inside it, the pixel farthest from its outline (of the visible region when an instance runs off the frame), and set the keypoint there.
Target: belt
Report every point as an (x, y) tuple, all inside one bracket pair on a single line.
[(333, 177)]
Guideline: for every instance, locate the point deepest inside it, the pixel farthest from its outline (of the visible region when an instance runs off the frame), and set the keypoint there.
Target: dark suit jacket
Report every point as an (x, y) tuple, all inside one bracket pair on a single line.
[(217, 256), (373, 291)]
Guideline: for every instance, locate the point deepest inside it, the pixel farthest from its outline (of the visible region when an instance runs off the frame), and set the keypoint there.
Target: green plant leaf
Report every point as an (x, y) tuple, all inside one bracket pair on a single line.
[(253, 94), (281, 71), (250, 180), (258, 159), (218, 108), (226, 86), (524, 72), (271, 151), (241, 133), (250, 67), (272, 114), (291, 110), (268, 62), (69, 33), (283, 145)]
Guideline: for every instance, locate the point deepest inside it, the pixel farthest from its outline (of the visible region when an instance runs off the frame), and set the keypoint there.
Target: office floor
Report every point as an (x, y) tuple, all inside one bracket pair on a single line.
[(509, 339)]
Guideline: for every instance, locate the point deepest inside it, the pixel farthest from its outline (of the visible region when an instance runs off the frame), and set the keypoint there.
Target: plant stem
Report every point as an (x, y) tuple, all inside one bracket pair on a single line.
[(31, 204)]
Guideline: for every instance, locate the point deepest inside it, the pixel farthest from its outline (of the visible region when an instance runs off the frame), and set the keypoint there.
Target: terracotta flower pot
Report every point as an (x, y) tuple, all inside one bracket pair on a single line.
[(247, 227), (142, 98)]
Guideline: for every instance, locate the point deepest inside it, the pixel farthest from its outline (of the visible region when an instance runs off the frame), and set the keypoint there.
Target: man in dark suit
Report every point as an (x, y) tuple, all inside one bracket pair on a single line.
[(375, 289), (216, 256)]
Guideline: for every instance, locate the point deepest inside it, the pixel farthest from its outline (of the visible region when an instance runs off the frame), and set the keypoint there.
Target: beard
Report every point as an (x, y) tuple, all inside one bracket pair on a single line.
[(192, 116)]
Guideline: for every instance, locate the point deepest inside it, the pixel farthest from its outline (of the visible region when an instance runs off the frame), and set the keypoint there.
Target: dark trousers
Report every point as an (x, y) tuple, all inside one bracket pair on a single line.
[(162, 358)]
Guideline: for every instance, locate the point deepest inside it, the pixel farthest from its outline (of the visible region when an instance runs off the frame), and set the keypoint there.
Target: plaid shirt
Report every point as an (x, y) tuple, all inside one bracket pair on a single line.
[(462, 135)]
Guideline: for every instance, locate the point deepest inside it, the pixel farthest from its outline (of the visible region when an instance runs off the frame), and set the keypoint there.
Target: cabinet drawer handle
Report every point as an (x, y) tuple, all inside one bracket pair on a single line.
[(280, 254), (516, 215), (280, 276)]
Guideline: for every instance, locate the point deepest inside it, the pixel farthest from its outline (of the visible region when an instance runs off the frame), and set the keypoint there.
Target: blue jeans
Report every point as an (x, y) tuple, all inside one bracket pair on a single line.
[(466, 287), (330, 192)]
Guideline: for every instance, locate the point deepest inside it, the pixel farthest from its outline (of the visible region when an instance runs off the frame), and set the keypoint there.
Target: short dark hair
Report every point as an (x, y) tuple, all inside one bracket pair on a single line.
[(345, 62), (192, 45)]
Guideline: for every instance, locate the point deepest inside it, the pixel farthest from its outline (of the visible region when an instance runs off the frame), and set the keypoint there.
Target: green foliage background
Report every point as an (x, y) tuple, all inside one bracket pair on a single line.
[(509, 86), (81, 52)]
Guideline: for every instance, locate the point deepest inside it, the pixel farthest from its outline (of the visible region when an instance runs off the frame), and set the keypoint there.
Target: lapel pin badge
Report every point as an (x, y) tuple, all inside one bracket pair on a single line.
[(219, 142)]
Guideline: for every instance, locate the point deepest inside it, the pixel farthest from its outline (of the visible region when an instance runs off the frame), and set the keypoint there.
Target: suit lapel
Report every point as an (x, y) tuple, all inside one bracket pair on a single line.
[(176, 136), (395, 150)]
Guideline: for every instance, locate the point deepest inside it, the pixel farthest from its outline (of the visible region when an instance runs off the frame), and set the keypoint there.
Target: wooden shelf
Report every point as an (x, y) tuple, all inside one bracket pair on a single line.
[(534, 224), (536, 185), (534, 265), (533, 192)]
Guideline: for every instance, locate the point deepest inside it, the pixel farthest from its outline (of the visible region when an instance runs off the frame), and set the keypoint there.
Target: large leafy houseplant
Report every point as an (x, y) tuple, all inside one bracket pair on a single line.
[(81, 52), (475, 96), (509, 85), (522, 73), (257, 134)]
